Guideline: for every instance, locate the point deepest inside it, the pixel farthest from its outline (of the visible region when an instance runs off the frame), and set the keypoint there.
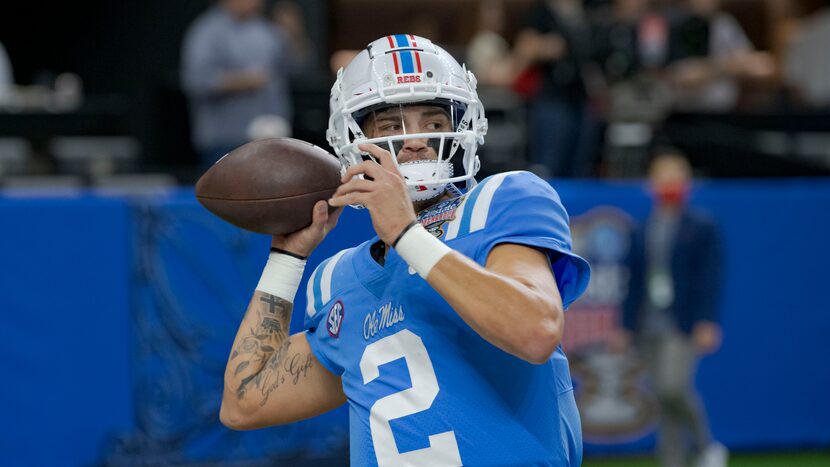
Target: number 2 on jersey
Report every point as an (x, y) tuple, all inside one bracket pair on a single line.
[(443, 449)]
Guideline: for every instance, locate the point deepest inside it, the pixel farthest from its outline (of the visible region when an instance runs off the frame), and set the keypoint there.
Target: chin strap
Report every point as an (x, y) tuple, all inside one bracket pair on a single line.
[(425, 171)]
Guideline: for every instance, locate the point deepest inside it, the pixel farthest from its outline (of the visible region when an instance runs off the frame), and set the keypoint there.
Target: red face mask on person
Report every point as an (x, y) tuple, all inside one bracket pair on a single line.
[(671, 193)]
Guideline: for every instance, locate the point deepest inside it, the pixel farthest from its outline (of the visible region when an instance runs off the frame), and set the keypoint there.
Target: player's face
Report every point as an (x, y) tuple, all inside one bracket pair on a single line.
[(412, 119)]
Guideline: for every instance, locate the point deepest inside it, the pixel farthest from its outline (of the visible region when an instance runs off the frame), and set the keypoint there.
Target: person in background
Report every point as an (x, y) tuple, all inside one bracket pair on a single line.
[(631, 48), (712, 55), (807, 62), (6, 76), (234, 70), (555, 42), (488, 53), (629, 37), (671, 309), (288, 18)]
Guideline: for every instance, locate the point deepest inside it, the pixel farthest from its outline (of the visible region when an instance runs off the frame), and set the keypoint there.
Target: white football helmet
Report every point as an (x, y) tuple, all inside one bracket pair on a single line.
[(401, 70)]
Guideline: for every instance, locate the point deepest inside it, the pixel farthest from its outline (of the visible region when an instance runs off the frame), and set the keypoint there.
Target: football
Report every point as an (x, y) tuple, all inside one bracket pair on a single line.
[(269, 186)]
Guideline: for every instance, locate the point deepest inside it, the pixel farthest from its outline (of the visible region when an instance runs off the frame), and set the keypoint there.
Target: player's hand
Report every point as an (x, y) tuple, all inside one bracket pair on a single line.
[(304, 241), (385, 195)]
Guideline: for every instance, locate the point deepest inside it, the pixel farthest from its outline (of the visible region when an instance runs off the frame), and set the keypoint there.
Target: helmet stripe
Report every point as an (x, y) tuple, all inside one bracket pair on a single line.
[(394, 54), (406, 57), (406, 62), (417, 54), (395, 58), (402, 40)]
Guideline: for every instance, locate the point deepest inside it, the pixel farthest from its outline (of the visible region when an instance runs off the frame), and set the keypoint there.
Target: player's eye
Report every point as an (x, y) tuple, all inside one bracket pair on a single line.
[(390, 128), (436, 126)]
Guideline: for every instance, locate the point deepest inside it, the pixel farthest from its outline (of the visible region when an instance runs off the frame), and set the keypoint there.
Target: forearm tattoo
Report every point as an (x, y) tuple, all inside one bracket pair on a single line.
[(263, 358)]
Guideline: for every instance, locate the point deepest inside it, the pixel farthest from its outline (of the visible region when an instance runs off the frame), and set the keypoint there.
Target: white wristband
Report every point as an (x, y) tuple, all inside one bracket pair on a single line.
[(281, 276), (421, 249)]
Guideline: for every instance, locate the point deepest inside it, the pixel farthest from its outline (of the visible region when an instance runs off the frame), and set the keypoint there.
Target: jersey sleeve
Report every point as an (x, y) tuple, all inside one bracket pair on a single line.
[(521, 208), (319, 292)]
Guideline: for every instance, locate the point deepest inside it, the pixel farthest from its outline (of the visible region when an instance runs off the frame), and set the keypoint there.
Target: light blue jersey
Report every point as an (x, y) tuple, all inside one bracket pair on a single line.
[(424, 389)]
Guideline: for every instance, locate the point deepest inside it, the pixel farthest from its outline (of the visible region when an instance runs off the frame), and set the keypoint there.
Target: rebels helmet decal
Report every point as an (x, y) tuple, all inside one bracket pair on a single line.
[(404, 51)]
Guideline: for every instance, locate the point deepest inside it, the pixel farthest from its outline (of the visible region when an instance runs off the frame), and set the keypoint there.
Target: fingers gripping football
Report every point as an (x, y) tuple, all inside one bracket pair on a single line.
[(382, 190), (303, 242)]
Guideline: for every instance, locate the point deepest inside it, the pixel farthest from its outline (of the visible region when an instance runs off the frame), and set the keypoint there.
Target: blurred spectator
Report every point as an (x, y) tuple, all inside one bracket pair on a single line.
[(671, 309), (631, 45), (712, 53), (6, 77), (634, 49), (488, 54), (234, 70), (425, 25), (808, 60), (340, 58), (554, 46), (288, 17)]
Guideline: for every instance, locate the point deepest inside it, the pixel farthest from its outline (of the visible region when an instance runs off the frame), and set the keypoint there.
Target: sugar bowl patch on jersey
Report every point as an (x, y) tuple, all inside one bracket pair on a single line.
[(434, 217)]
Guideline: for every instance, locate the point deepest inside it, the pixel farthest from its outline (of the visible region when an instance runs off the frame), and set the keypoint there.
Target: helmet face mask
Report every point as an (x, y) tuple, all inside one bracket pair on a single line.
[(428, 115)]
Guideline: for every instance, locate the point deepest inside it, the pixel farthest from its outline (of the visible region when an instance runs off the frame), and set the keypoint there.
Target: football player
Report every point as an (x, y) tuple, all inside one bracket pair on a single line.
[(443, 331)]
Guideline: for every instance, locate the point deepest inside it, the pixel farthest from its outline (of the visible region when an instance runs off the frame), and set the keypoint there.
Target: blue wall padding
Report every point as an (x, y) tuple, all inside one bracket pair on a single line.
[(64, 291), (119, 314), (768, 386)]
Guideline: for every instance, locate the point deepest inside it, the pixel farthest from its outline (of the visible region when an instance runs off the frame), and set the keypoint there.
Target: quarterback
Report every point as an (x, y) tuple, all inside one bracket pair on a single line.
[(442, 333)]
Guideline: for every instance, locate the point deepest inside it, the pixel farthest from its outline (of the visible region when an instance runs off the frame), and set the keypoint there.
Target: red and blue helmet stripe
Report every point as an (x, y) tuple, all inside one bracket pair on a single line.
[(404, 53)]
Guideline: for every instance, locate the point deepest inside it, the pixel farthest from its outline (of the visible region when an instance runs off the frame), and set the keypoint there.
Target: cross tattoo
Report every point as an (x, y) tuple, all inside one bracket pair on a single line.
[(273, 303)]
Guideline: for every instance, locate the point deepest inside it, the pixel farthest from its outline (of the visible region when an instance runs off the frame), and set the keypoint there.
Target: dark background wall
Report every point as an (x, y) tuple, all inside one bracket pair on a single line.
[(127, 53)]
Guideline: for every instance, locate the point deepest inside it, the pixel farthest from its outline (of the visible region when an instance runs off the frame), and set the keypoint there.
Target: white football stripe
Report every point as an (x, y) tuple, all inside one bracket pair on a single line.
[(325, 280), (482, 206)]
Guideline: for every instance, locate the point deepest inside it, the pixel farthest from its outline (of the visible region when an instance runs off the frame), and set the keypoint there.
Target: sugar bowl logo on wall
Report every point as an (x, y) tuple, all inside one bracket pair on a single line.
[(614, 403)]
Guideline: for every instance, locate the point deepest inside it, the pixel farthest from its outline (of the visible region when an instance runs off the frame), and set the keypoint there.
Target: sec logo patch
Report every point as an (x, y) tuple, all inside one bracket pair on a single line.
[(335, 318)]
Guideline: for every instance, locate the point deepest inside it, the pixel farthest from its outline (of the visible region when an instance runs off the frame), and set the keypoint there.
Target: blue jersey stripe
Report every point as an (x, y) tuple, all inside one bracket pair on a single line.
[(406, 57), (464, 228)]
